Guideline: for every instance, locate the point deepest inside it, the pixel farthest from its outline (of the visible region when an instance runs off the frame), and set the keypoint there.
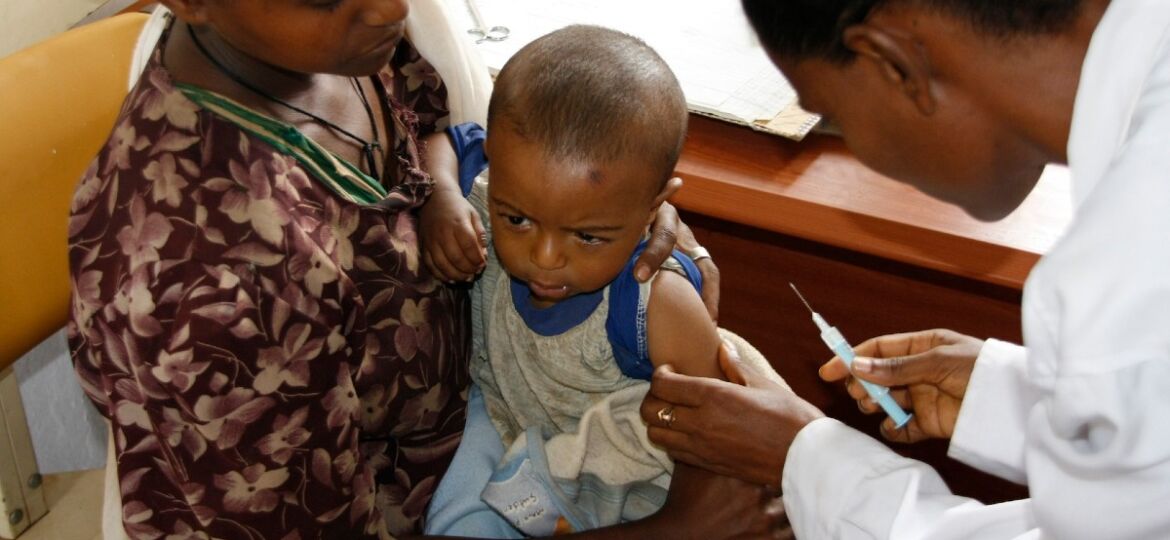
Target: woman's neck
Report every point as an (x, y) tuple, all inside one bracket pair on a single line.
[(324, 107), (188, 64)]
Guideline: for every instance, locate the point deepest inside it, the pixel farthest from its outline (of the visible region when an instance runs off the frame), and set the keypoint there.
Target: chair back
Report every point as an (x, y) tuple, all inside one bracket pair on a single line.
[(58, 102)]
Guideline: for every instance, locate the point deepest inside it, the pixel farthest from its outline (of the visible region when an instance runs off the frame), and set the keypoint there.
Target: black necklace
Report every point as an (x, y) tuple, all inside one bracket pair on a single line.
[(370, 149)]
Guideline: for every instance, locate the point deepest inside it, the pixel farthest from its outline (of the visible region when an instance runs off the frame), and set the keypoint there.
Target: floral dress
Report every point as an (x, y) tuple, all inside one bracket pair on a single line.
[(273, 358)]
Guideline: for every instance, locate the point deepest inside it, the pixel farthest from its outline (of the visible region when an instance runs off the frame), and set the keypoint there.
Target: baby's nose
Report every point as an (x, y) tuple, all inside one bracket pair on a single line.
[(546, 254)]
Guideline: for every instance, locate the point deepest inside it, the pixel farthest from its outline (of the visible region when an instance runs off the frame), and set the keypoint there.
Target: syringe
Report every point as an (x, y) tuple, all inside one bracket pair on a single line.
[(836, 342)]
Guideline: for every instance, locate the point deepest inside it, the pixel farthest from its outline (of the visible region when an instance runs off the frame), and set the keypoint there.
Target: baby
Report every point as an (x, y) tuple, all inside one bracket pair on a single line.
[(586, 125)]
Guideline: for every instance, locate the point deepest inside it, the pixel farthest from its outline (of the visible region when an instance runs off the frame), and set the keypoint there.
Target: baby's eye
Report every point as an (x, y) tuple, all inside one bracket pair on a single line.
[(589, 239), (516, 221), (328, 5)]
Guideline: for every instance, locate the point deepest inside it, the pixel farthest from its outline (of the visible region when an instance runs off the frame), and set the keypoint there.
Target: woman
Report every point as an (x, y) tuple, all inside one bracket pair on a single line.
[(250, 310)]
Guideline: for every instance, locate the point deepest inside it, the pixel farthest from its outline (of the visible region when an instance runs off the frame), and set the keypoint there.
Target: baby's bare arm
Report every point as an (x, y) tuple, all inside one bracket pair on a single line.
[(679, 328), (452, 235)]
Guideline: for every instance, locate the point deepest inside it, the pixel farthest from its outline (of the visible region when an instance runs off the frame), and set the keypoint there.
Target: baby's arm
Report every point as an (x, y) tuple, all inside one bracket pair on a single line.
[(452, 235), (680, 331)]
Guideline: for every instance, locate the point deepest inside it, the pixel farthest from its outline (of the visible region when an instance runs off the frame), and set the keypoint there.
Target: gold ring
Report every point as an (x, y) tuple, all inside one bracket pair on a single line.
[(666, 414)]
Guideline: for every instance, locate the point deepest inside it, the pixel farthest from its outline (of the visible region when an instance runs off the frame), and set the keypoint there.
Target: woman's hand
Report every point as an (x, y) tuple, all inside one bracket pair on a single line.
[(740, 428), (926, 372), (666, 233), (707, 506)]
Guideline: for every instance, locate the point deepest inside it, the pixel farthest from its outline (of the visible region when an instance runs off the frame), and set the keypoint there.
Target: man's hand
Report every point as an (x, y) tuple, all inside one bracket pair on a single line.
[(926, 372)]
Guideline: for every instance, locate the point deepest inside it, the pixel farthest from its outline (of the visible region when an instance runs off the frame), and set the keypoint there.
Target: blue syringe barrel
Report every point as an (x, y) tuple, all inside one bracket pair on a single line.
[(880, 394)]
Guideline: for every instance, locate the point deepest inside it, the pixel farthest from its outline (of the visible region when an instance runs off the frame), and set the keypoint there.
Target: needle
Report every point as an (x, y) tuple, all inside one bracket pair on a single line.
[(801, 297), (836, 343)]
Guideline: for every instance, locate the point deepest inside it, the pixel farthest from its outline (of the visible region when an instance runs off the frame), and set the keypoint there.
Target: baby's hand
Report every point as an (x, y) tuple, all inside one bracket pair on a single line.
[(454, 244)]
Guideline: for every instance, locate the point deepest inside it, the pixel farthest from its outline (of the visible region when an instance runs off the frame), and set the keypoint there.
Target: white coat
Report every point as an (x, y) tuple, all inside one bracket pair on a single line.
[(1082, 415)]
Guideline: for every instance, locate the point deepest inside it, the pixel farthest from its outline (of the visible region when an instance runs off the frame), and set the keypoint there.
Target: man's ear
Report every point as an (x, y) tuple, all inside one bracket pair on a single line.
[(192, 12), (668, 190), (899, 59)]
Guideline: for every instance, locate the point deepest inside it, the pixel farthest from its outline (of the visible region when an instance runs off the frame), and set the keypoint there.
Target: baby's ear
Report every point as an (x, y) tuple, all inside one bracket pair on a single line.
[(668, 190)]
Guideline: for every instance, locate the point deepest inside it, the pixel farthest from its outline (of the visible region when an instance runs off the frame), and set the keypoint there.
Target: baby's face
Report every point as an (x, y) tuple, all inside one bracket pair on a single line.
[(564, 227)]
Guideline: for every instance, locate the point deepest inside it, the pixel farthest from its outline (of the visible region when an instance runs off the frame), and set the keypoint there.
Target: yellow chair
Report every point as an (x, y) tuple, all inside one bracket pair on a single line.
[(58, 102)]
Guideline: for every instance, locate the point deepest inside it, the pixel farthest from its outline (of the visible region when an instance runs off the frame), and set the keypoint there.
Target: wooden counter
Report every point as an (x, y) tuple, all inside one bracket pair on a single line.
[(872, 255), (818, 191)]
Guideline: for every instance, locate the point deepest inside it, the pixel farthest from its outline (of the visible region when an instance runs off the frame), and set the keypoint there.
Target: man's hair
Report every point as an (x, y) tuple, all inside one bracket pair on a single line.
[(595, 94), (802, 29)]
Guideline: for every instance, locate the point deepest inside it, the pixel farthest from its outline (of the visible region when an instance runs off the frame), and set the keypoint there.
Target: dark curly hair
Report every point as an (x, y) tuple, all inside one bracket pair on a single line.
[(799, 29)]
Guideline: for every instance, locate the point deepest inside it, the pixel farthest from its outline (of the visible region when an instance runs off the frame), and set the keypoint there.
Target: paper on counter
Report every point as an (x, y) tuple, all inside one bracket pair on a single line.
[(722, 68)]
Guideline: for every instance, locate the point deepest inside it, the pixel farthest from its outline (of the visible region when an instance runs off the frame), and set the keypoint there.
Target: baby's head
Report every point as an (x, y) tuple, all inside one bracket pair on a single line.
[(584, 130)]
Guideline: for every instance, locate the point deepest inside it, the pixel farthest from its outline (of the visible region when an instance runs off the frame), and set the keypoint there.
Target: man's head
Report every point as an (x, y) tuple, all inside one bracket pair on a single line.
[(584, 129), (966, 100)]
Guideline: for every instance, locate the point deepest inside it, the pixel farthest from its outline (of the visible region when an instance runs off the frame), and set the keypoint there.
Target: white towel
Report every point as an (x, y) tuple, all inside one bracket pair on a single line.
[(431, 30)]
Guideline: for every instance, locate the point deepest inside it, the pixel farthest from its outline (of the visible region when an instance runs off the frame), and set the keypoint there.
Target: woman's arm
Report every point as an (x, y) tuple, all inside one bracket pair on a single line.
[(704, 505)]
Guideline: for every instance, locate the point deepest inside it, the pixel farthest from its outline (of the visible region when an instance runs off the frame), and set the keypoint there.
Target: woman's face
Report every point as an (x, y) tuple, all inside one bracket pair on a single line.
[(341, 37)]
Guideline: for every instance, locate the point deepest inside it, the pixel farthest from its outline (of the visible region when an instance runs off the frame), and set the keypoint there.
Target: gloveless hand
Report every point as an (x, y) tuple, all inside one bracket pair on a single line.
[(741, 427), (927, 372), (666, 233)]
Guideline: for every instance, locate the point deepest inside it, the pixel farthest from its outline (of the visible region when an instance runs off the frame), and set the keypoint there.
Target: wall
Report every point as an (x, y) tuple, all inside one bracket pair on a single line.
[(67, 431), (24, 22)]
